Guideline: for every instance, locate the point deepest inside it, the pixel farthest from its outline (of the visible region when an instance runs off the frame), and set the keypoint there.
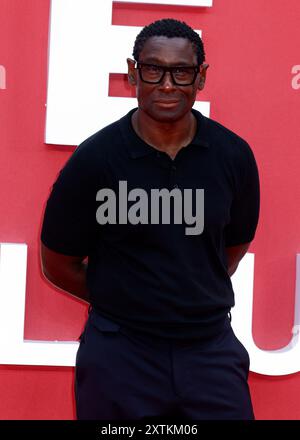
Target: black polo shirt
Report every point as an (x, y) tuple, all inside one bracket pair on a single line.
[(155, 278)]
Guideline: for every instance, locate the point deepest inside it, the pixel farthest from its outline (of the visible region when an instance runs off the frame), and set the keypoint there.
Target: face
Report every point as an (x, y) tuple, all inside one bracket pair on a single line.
[(166, 102)]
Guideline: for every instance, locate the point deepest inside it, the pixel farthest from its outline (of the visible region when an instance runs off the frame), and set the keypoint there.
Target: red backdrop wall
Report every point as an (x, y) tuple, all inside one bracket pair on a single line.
[(251, 47)]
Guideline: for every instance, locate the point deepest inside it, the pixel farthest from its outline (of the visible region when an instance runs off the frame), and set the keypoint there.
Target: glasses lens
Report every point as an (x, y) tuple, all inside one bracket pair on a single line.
[(184, 75), (151, 73)]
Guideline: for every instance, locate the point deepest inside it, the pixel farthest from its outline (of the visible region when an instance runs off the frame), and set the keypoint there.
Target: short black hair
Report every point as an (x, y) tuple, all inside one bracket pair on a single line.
[(169, 27)]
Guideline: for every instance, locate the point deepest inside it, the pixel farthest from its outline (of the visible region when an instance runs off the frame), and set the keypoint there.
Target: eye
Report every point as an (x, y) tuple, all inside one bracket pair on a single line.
[(182, 71), (152, 68)]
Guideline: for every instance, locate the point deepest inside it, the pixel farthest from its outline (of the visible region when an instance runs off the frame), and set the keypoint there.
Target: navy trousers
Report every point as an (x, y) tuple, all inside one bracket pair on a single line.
[(121, 374)]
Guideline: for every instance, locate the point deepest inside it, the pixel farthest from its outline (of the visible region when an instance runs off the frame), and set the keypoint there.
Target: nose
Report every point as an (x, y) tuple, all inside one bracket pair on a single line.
[(167, 82)]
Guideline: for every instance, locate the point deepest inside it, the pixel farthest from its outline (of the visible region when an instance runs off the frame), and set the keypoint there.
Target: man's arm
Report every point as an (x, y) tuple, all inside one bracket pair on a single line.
[(234, 256), (66, 272)]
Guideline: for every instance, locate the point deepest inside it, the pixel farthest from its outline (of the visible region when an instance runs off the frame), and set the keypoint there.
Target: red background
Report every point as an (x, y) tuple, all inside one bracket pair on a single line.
[(251, 46)]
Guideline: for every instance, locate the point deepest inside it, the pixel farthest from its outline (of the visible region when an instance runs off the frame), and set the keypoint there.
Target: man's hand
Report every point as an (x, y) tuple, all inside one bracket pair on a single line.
[(66, 272), (234, 256)]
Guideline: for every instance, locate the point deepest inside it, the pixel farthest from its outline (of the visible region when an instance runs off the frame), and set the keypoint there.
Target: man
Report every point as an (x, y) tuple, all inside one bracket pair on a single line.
[(158, 339)]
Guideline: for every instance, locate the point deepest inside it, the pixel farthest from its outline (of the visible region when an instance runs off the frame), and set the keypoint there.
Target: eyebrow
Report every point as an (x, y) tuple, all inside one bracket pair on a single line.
[(154, 60)]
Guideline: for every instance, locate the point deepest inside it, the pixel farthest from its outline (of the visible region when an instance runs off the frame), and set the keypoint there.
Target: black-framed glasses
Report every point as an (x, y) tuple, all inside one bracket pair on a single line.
[(154, 74)]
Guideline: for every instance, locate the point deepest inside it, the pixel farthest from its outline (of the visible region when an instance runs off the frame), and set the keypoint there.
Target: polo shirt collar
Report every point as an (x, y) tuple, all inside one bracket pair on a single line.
[(138, 148)]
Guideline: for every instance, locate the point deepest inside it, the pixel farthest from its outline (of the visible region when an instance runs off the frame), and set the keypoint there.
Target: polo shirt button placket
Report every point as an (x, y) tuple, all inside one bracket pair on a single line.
[(173, 176)]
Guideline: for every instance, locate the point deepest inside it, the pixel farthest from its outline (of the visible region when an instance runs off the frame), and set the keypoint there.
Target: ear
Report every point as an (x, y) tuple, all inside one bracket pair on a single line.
[(203, 69), (131, 71)]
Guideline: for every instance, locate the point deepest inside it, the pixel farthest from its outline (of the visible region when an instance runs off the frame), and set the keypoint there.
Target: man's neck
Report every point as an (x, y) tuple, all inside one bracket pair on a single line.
[(164, 136)]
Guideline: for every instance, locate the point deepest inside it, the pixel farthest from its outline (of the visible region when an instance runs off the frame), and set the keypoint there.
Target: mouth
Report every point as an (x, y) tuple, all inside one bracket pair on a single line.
[(166, 103)]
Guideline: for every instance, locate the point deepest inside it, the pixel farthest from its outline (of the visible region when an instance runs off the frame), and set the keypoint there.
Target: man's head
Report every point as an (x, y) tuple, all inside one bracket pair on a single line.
[(168, 27), (164, 92)]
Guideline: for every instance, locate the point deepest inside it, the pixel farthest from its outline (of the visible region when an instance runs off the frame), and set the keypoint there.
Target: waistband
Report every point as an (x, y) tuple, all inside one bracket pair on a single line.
[(108, 324)]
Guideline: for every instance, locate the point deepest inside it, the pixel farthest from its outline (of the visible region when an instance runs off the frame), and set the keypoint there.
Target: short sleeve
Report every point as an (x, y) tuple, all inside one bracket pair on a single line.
[(69, 218), (244, 211)]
